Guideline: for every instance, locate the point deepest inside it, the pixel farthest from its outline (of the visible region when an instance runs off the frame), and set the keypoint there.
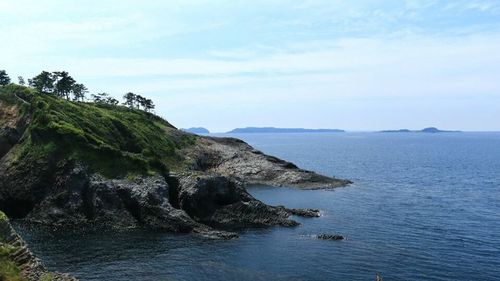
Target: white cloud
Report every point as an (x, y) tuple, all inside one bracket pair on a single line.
[(268, 54)]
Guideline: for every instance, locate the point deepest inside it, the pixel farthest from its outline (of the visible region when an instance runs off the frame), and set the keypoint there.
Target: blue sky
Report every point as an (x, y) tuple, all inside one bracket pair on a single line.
[(355, 65)]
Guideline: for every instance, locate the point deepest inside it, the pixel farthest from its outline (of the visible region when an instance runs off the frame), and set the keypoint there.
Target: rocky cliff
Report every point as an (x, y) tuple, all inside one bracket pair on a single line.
[(72, 163)]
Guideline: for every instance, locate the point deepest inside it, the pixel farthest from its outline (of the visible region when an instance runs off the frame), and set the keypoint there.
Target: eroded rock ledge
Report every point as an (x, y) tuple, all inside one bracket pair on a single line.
[(235, 158)]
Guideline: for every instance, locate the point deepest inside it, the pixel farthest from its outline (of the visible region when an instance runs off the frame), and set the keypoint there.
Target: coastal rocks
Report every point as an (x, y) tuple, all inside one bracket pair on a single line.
[(79, 198), (31, 267), (308, 213), (200, 203), (234, 158), (191, 202), (223, 202), (335, 237)]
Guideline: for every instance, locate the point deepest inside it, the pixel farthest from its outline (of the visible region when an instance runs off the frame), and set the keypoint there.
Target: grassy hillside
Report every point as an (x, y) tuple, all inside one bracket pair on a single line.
[(112, 140), (8, 269)]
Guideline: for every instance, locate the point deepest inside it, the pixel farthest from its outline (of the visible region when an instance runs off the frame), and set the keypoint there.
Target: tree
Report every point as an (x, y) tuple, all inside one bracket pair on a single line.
[(129, 99), (140, 101), (4, 78), (21, 80), (79, 92), (99, 98), (112, 101), (149, 105), (43, 82), (103, 98), (64, 84)]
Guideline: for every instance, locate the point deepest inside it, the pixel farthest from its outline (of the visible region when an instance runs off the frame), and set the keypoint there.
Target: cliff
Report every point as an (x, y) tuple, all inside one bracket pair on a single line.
[(68, 163)]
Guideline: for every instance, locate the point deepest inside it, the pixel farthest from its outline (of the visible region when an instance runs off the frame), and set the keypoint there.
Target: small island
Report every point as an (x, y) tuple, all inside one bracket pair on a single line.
[(197, 130), (272, 130), (432, 130)]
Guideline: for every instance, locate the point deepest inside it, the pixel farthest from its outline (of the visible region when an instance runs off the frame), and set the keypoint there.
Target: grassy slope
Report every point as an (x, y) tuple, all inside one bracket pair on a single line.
[(112, 140), (8, 270)]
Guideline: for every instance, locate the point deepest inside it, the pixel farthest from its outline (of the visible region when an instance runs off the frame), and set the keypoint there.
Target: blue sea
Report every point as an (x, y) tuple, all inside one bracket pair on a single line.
[(422, 207)]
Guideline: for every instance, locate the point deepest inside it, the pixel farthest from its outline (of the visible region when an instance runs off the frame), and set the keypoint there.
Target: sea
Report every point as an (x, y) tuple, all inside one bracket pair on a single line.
[(422, 207)]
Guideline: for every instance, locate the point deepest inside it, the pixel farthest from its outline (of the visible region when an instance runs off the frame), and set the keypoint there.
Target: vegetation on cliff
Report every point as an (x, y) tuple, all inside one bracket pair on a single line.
[(111, 139), (9, 271)]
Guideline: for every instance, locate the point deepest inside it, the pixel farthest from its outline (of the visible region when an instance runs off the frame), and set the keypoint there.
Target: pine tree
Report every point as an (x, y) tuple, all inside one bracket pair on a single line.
[(129, 99), (4, 78), (43, 82), (79, 92), (64, 84), (21, 81)]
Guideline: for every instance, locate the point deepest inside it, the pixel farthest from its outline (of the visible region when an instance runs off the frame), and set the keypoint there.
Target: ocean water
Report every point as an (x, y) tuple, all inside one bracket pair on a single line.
[(423, 207)]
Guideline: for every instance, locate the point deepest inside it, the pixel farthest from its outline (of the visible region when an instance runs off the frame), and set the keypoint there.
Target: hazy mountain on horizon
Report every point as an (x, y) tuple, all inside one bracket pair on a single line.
[(282, 130), (197, 130), (425, 130)]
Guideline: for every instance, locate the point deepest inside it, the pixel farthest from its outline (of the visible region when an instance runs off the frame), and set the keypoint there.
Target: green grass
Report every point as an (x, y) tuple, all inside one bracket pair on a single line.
[(47, 277), (8, 269), (3, 216), (112, 140)]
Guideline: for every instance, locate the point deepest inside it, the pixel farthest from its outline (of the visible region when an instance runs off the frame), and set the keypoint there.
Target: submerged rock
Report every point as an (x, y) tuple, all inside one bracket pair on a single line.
[(308, 213), (331, 237)]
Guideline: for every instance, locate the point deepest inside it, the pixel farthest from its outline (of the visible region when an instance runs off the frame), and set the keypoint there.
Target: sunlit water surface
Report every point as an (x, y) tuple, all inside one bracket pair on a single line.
[(423, 207)]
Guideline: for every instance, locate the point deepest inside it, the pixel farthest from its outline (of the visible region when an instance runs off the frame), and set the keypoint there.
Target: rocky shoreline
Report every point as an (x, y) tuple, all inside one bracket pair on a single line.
[(29, 266), (207, 196), (66, 164), (205, 204)]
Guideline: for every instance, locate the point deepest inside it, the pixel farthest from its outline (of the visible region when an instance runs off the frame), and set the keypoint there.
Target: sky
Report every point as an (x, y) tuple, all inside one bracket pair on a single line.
[(354, 65)]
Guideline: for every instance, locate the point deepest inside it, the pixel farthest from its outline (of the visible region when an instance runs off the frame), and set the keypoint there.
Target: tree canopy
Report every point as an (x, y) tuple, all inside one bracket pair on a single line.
[(43, 82), (21, 81), (62, 85), (137, 101), (4, 78), (103, 98)]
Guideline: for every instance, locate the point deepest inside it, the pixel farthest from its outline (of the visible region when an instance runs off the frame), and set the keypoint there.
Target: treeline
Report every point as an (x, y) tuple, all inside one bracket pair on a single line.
[(62, 85)]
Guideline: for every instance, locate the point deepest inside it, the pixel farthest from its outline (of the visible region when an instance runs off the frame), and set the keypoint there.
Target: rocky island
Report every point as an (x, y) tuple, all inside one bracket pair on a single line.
[(67, 163), (430, 130), (197, 130)]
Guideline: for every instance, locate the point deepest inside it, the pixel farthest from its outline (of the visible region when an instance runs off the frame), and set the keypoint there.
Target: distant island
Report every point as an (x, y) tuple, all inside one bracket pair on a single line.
[(197, 130), (425, 130), (267, 130)]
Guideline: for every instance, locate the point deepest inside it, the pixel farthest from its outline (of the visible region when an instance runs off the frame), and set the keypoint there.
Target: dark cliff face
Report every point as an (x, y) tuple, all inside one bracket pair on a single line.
[(205, 204), (68, 163)]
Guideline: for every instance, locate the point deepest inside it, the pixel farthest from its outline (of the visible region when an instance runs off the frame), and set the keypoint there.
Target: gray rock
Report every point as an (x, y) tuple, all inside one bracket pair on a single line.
[(309, 213), (223, 202), (234, 158), (331, 237), (80, 198), (199, 203)]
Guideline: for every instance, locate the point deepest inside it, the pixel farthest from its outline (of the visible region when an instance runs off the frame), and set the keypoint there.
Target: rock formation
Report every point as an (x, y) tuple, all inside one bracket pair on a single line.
[(81, 164)]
